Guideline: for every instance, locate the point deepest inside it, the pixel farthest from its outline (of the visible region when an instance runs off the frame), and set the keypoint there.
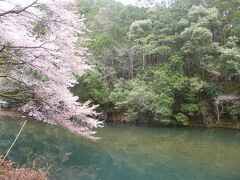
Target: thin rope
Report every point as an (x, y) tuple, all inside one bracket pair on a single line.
[(13, 142)]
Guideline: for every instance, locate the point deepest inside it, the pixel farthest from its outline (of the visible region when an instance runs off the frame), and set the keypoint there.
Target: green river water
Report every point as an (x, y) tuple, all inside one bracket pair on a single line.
[(125, 152)]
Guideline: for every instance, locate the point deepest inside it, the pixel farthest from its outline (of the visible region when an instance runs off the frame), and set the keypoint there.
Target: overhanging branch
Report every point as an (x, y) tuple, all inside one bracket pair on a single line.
[(14, 11)]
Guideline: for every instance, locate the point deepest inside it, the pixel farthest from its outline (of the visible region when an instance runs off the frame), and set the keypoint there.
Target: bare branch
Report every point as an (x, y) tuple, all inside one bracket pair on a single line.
[(14, 11), (2, 49), (29, 47)]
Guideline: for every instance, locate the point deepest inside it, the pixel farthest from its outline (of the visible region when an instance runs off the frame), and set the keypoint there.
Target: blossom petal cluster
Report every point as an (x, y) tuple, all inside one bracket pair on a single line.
[(43, 42)]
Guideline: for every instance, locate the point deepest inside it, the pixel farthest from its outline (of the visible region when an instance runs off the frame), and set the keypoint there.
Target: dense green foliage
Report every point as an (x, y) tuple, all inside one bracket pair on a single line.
[(92, 87), (168, 63)]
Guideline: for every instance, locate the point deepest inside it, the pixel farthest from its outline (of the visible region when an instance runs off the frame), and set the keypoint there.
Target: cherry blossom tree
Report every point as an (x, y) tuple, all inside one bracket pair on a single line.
[(39, 49)]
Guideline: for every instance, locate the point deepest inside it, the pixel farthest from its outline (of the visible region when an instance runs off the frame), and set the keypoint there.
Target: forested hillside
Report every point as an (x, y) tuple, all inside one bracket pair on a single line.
[(80, 64), (177, 63)]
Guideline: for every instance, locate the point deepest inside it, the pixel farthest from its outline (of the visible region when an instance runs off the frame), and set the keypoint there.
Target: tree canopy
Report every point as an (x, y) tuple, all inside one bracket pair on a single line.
[(165, 63)]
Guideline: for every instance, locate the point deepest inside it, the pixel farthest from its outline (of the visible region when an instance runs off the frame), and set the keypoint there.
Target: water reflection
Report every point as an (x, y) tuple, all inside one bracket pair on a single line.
[(126, 152)]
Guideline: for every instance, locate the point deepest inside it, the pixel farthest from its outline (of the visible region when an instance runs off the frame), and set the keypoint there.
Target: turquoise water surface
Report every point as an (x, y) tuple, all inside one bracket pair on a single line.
[(125, 152)]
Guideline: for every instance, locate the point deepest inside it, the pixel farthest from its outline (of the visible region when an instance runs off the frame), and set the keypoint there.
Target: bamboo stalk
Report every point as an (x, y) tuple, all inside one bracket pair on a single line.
[(13, 142)]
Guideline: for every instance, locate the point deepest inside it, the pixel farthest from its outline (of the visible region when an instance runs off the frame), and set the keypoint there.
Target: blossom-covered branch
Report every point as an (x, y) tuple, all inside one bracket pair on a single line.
[(15, 10), (41, 50)]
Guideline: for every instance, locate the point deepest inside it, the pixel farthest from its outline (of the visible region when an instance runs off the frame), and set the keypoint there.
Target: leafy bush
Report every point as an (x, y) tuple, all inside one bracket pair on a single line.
[(190, 109), (212, 89), (182, 119), (234, 112), (92, 87)]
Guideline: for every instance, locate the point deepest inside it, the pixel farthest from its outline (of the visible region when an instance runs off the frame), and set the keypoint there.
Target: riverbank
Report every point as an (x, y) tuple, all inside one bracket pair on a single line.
[(225, 124)]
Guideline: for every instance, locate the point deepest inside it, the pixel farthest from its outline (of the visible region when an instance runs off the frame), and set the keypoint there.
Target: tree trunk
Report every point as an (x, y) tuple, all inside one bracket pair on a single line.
[(218, 110), (131, 66), (188, 64), (143, 63)]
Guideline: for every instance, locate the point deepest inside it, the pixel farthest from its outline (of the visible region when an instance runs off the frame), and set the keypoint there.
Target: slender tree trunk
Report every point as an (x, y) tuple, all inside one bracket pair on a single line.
[(131, 66), (203, 74), (188, 64), (143, 63), (218, 110)]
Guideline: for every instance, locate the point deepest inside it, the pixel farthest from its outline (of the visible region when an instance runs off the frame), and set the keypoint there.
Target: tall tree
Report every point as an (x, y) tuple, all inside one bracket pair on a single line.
[(38, 49)]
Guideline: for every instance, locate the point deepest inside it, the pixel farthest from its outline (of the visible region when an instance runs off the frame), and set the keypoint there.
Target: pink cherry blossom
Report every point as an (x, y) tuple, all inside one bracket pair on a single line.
[(41, 41)]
